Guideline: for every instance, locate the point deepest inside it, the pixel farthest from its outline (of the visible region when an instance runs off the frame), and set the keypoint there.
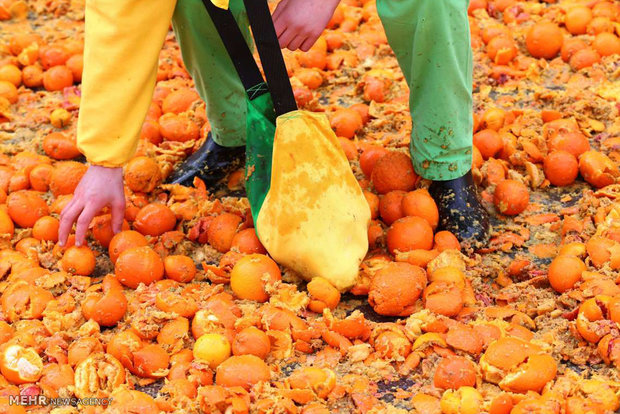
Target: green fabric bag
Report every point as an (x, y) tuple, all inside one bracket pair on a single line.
[(260, 124)]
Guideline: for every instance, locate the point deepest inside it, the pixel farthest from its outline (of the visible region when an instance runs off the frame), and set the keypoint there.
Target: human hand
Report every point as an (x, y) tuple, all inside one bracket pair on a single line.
[(98, 188), (299, 23)]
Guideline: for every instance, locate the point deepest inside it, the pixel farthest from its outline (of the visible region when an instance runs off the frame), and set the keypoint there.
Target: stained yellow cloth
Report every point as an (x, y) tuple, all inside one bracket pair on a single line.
[(123, 39), (315, 217), (222, 4)]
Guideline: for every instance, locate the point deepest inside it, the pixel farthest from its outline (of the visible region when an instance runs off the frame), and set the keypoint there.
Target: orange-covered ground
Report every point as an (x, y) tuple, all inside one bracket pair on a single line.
[(184, 312)]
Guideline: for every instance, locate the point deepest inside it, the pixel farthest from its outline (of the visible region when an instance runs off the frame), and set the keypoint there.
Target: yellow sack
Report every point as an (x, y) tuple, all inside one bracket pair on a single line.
[(315, 217)]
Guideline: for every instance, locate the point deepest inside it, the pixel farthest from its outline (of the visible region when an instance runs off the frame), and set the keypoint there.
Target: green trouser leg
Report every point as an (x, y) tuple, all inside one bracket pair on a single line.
[(213, 72), (431, 41)]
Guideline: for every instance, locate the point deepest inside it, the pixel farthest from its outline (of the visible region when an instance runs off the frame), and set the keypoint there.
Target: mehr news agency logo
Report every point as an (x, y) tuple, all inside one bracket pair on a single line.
[(42, 400)]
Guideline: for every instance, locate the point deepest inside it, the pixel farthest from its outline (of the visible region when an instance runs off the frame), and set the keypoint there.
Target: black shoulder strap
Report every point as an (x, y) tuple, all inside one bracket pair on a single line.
[(237, 49), (268, 50), (270, 56)]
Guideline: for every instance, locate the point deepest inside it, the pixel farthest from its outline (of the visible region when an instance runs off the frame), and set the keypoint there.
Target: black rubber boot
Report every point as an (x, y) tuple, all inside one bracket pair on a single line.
[(211, 163), (460, 210)]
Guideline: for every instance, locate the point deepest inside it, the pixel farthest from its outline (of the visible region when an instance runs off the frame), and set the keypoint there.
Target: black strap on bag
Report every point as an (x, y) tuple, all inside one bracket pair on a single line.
[(268, 49)]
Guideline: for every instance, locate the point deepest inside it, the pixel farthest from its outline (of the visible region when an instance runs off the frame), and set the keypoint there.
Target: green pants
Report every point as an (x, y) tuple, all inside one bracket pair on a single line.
[(431, 41)]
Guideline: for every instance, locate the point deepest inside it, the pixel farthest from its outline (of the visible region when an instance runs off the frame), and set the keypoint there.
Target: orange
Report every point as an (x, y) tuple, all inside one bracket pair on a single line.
[(60, 147), (571, 141), (212, 348), (443, 298), (150, 361), (56, 376), (570, 46), (577, 19), (544, 40), (139, 265), (409, 233), (125, 240), (53, 56), (246, 241), (464, 338), (488, 143), (420, 203), (89, 380), (21, 365), (492, 30), (564, 272), (310, 77), (21, 300), (320, 380), (151, 132), (599, 250), (251, 341), (600, 24), (178, 128), (11, 73), (155, 219), (369, 158), (101, 227), (322, 295), (24, 245), (363, 110), (475, 5), (179, 268), (584, 58), (533, 375), (454, 372), (21, 40), (142, 174), (596, 168), (66, 176), (242, 371), (348, 147), (8, 91), (40, 177), (346, 122), (393, 171), (76, 65), (561, 168), (57, 78), (251, 275), (6, 224), (25, 207), (373, 203), (222, 230), (179, 100), (391, 206), (46, 228), (606, 44), (445, 240), (605, 9), (78, 260), (395, 289), (502, 404), (105, 303), (501, 50), (511, 197)]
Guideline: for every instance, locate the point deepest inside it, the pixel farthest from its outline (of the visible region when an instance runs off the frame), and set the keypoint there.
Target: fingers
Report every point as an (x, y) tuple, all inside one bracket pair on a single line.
[(308, 43), (286, 36), (296, 42), (86, 216), (277, 22), (118, 214), (68, 216)]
